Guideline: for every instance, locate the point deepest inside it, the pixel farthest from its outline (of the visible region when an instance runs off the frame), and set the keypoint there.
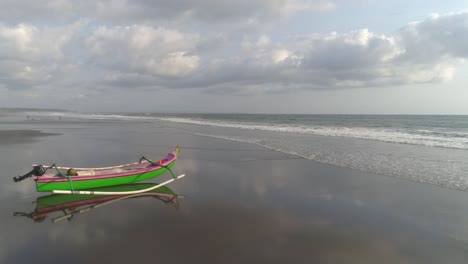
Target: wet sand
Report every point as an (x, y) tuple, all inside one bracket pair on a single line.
[(20, 136), (242, 204)]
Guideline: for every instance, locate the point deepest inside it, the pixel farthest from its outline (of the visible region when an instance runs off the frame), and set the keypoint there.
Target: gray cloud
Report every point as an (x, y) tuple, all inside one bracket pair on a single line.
[(418, 53), (437, 36), (145, 50), (156, 10), (32, 56), (142, 55), (422, 52)]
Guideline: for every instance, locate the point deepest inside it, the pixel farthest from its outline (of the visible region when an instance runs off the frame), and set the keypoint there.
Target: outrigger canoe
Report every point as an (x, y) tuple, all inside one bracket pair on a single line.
[(70, 205), (80, 179)]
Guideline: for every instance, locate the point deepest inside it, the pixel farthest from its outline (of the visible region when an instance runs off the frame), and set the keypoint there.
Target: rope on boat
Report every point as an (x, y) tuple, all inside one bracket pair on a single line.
[(63, 175), (159, 163), (144, 158), (118, 193), (39, 170)]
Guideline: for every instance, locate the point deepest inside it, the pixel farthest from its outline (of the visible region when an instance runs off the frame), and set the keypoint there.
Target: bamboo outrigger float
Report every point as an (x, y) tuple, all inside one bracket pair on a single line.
[(69, 180)]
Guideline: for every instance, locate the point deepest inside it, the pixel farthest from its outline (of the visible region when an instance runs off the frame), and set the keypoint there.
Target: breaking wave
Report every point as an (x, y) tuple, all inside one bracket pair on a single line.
[(432, 138)]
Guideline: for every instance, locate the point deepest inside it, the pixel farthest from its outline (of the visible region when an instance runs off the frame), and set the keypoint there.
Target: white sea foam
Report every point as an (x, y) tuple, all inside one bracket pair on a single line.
[(430, 138), (439, 166), (84, 116)]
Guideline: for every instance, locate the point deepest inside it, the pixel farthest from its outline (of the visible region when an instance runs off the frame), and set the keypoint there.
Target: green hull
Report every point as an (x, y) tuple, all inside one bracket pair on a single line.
[(98, 183)]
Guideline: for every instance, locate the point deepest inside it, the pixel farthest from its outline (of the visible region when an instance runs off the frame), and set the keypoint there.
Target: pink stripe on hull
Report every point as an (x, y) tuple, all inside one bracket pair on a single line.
[(167, 162)]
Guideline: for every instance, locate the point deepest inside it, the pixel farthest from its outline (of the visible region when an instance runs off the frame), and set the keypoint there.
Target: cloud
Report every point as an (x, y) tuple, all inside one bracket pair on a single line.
[(31, 56), (26, 41), (141, 50), (157, 10), (418, 53), (90, 55), (437, 36), (424, 52)]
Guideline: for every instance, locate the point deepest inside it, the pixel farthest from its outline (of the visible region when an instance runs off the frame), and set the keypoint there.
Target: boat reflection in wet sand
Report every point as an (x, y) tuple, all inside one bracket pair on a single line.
[(73, 204)]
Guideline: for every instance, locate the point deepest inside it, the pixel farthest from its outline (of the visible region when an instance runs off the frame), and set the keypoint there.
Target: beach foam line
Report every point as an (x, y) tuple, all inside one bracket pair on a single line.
[(315, 157), (456, 140), (85, 116)]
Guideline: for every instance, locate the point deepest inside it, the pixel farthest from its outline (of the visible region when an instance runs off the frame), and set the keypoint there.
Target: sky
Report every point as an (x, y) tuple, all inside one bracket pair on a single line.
[(243, 56)]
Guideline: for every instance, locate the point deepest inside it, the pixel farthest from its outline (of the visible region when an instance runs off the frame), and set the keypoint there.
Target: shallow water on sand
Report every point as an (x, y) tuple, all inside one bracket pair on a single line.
[(241, 204)]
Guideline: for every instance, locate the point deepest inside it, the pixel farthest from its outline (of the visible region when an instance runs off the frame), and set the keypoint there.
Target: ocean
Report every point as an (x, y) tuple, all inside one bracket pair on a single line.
[(426, 148)]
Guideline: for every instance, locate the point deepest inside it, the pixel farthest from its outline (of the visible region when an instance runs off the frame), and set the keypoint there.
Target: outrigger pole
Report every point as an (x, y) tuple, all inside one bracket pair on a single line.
[(118, 193)]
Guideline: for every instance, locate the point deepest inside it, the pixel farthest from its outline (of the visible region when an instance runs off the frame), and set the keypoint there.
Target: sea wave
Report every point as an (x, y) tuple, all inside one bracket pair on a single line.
[(431, 138), (438, 166), (84, 116)]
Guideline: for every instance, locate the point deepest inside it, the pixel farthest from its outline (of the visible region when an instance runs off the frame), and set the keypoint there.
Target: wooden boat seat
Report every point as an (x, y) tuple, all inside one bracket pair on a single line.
[(92, 172), (86, 173)]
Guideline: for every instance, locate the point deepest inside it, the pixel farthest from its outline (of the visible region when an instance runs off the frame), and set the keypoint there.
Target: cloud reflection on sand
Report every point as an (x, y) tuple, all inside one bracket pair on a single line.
[(251, 205)]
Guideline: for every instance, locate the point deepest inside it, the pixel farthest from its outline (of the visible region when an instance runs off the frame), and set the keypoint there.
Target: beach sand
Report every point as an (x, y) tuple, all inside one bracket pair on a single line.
[(242, 204), (21, 136)]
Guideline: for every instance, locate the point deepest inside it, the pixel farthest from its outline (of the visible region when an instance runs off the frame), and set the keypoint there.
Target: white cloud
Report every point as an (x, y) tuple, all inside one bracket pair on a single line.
[(263, 41), (289, 7), (280, 55), (357, 58), (144, 55), (439, 35), (422, 52), (175, 64), (29, 42), (144, 50), (31, 56)]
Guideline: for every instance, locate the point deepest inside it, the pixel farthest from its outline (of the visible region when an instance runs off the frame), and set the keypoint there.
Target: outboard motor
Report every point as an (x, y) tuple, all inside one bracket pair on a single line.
[(38, 170)]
